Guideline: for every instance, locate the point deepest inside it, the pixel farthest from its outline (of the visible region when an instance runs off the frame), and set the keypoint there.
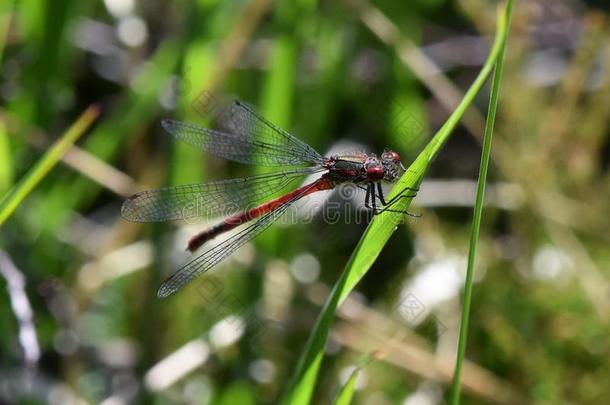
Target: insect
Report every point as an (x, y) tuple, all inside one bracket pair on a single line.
[(254, 140)]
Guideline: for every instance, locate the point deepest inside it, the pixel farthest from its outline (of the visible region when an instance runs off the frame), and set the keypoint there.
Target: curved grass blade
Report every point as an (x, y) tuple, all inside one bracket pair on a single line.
[(345, 395), (13, 198), (347, 391), (478, 211), (301, 386)]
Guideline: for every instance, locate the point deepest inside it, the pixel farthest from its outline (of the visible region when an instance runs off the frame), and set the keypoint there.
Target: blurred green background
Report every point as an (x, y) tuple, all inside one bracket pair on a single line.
[(79, 316)]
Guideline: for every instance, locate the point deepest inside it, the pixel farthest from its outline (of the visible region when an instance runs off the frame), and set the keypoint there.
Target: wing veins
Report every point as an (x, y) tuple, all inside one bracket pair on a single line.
[(214, 255), (209, 199)]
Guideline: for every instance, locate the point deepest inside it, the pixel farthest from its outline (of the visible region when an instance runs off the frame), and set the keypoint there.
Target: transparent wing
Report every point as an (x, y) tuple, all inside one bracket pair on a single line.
[(207, 200), (250, 124), (216, 254), (249, 139)]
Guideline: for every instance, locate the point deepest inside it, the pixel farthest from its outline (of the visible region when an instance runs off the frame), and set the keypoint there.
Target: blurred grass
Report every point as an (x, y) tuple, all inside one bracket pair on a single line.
[(15, 197), (128, 115), (6, 167), (318, 69), (6, 172), (6, 13)]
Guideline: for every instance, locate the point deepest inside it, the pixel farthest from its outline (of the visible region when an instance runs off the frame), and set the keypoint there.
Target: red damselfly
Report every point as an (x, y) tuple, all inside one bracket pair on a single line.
[(251, 139)]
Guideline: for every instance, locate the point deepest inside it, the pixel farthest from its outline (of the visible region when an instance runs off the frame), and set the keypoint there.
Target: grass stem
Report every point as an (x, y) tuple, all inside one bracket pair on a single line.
[(478, 209)]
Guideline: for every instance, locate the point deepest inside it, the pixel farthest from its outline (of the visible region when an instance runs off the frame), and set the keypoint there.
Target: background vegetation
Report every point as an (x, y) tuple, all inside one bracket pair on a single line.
[(79, 317)]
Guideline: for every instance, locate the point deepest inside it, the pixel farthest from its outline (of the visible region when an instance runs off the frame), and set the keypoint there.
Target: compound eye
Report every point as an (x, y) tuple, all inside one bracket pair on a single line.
[(374, 173), (391, 155), (395, 156)]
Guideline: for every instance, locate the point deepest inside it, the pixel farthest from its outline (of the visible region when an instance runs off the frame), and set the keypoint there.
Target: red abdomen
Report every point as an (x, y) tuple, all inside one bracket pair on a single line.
[(242, 217)]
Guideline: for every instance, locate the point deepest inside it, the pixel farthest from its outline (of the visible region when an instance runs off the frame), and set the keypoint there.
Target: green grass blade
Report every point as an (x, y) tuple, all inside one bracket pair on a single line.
[(6, 160), (478, 209), (300, 388), (13, 198), (347, 391), (345, 395)]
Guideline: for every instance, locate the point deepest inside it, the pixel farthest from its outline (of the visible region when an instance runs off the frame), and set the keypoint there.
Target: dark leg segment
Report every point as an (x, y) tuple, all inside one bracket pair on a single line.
[(387, 205)]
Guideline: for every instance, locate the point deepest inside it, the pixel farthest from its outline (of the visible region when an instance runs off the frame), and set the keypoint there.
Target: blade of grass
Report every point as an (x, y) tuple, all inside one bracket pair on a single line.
[(347, 391), (6, 12), (300, 388), (13, 198), (478, 210), (6, 159), (345, 395)]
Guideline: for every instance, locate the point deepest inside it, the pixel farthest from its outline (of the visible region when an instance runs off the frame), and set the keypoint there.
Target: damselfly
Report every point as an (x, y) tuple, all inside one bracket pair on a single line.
[(251, 139)]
